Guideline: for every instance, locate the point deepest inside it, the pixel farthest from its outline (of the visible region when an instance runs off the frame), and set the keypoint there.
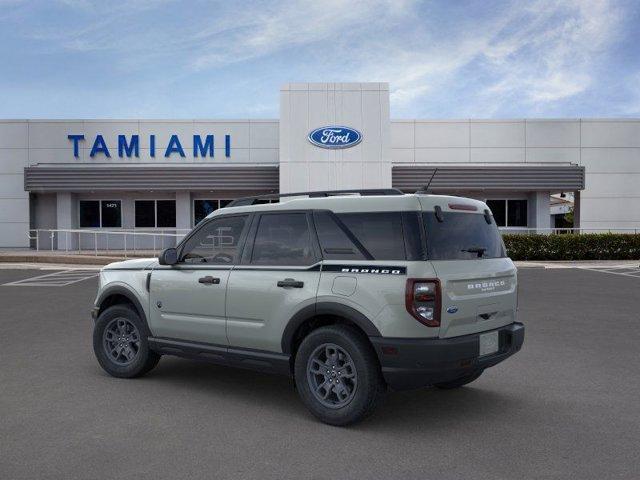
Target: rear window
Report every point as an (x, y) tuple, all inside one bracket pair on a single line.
[(462, 236)]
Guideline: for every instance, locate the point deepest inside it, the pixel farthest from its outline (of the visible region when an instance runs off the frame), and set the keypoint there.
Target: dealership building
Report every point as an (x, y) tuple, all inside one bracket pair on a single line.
[(166, 175)]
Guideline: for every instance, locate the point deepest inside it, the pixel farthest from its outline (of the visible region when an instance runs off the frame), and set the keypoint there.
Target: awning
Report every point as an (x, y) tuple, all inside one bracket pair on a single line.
[(554, 178), (65, 178)]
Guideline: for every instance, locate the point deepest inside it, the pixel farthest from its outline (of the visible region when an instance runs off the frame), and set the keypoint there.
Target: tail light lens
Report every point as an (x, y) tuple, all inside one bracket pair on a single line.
[(422, 299)]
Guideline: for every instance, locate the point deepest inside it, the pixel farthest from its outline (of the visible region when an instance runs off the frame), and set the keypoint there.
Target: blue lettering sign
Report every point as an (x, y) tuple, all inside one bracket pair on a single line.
[(99, 146), (75, 139), (152, 146), (131, 148), (174, 147), (202, 149)]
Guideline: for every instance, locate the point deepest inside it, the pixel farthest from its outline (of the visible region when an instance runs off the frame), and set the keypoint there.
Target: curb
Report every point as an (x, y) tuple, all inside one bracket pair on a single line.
[(59, 259)]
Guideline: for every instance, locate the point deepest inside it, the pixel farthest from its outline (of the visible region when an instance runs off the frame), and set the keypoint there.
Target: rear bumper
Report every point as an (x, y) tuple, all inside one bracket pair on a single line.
[(417, 362)]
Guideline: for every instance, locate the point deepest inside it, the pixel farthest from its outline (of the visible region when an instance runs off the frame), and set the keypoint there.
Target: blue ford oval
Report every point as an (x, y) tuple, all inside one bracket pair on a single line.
[(335, 136)]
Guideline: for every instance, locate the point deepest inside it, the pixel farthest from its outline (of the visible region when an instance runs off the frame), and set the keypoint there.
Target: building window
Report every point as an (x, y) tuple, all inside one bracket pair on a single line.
[(202, 208), (100, 213), (509, 213), (155, 213), (517, 213)]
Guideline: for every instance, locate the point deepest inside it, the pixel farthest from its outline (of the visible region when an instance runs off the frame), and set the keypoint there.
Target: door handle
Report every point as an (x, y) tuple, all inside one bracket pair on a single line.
[(208, 280), (290, 282)]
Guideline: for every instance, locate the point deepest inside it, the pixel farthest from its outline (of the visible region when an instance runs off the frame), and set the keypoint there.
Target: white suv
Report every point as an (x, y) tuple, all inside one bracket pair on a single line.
[(348, 292)]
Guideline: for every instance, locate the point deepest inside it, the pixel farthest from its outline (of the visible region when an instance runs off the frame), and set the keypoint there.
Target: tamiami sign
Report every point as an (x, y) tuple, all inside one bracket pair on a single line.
[(129, 146)]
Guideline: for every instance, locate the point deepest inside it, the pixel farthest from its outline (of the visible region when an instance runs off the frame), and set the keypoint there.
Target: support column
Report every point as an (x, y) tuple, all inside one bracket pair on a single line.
[(66, 218), (183, 212), (576, 209), (539, 211)]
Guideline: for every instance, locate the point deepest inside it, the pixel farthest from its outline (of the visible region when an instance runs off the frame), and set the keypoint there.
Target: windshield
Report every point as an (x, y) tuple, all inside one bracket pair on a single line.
[(462, 236)]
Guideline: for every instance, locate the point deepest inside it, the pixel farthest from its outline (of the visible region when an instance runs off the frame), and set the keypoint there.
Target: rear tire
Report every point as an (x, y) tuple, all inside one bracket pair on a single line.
[(120, 344), (459, 382), (337, 375)]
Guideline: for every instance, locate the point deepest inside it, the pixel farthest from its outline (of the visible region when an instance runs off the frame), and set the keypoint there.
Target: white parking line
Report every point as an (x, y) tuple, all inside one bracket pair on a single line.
[(55, 279), (622, 270)]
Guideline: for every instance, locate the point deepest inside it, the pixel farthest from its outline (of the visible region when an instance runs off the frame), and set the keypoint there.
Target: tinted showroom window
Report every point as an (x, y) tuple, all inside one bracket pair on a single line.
[(499, 210), (155, 213), (100, 213), (461, 236), (509, 213), (217, 242), (283, 239), (380, 233), (517, 213), (145, 213), (89, 214)]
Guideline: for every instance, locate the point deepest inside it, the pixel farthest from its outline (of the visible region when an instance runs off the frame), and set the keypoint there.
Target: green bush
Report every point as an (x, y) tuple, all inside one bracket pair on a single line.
[(585, 246)]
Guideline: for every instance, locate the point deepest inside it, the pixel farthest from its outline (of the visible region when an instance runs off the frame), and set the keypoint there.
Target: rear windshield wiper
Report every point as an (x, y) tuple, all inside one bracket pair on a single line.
[(478, 250)]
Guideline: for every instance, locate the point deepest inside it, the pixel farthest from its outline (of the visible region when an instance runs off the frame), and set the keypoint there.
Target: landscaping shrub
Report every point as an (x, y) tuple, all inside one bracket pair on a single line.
[(585, 246)]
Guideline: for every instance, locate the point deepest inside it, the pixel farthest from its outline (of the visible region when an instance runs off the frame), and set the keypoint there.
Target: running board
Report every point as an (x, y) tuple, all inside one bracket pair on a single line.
[(259, 360)]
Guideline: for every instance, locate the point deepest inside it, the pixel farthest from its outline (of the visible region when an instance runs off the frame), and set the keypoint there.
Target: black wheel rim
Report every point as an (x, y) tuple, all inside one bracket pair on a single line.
[(332, 376), (121, 341)]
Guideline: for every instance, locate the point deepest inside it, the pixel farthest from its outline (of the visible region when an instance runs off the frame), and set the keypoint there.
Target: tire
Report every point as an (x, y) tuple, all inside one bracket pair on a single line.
[(459, 382), (353, 390), (131, 358)]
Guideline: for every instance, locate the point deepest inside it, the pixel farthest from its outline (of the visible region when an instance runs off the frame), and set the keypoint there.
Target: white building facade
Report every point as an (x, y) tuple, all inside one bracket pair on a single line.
[(165, 175)]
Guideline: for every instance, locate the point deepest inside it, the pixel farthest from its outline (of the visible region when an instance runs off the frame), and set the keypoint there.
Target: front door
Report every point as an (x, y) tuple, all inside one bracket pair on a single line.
[(279, 276), (187, 300)]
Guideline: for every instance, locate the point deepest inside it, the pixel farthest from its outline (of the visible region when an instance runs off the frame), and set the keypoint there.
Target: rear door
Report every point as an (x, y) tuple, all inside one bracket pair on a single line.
[(278, 276), (478, 281)]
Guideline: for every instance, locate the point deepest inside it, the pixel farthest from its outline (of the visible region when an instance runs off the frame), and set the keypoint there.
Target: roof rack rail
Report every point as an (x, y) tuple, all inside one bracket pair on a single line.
[(241, 202)]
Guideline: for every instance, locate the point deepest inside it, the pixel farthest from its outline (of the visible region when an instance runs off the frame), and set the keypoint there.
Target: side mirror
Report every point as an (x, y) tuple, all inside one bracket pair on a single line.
[(168, 256)]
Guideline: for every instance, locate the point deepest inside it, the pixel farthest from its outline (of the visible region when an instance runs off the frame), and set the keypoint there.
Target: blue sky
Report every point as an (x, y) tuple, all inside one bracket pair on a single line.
[(205, 59)]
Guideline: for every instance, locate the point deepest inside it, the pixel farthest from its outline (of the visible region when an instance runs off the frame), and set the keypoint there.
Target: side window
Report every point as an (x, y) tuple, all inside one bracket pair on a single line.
[(283, 239), (334, 241), (217, 243), (379, 232)]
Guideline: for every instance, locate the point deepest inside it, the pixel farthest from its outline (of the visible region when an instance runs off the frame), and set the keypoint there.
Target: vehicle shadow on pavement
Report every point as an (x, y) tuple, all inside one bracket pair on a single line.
[(409, 410)]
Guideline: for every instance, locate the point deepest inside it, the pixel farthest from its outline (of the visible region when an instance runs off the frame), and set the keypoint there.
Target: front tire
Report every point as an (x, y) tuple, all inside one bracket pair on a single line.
[(120, 344), (337, 375)]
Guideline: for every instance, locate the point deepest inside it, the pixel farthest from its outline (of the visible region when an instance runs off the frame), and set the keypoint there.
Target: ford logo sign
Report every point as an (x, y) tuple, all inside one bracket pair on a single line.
[(335, 136), (452, 309)]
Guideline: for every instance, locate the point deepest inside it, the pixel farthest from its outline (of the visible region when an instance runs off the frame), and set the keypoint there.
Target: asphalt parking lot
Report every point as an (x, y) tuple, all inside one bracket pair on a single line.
[(567, 406)]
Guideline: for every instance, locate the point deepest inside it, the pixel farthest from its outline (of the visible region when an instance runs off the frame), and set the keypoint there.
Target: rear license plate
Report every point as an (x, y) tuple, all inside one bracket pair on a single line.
[(489, 343)]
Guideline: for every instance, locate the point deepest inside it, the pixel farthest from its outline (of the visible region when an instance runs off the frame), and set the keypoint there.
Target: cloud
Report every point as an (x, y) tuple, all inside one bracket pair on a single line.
[(543, 53), (470, 58)]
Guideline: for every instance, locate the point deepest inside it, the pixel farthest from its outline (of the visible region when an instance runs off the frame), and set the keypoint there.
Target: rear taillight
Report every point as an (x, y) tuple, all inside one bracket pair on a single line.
[(422, 298)]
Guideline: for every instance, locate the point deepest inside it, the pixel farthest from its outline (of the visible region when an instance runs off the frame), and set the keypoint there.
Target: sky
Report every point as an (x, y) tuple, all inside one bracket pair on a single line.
[(228, 59)]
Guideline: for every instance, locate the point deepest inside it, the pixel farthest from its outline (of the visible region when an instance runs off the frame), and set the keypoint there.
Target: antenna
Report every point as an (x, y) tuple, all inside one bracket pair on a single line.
[(425, 189)]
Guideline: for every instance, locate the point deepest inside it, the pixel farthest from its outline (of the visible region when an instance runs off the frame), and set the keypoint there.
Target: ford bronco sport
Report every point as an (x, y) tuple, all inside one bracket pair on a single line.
[(348, 292)]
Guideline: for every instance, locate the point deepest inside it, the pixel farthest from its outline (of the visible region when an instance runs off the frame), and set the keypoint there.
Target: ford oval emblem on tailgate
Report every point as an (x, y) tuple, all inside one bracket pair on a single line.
[(452, 309), (335, 136)]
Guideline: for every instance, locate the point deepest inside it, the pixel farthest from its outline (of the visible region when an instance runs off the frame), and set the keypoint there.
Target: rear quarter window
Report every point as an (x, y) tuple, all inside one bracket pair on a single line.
[(379, 232)]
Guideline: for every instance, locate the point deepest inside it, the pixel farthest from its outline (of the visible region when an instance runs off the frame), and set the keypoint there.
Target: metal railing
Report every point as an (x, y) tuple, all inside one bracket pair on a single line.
[(556, 231), (103, 242), (151, 241)]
